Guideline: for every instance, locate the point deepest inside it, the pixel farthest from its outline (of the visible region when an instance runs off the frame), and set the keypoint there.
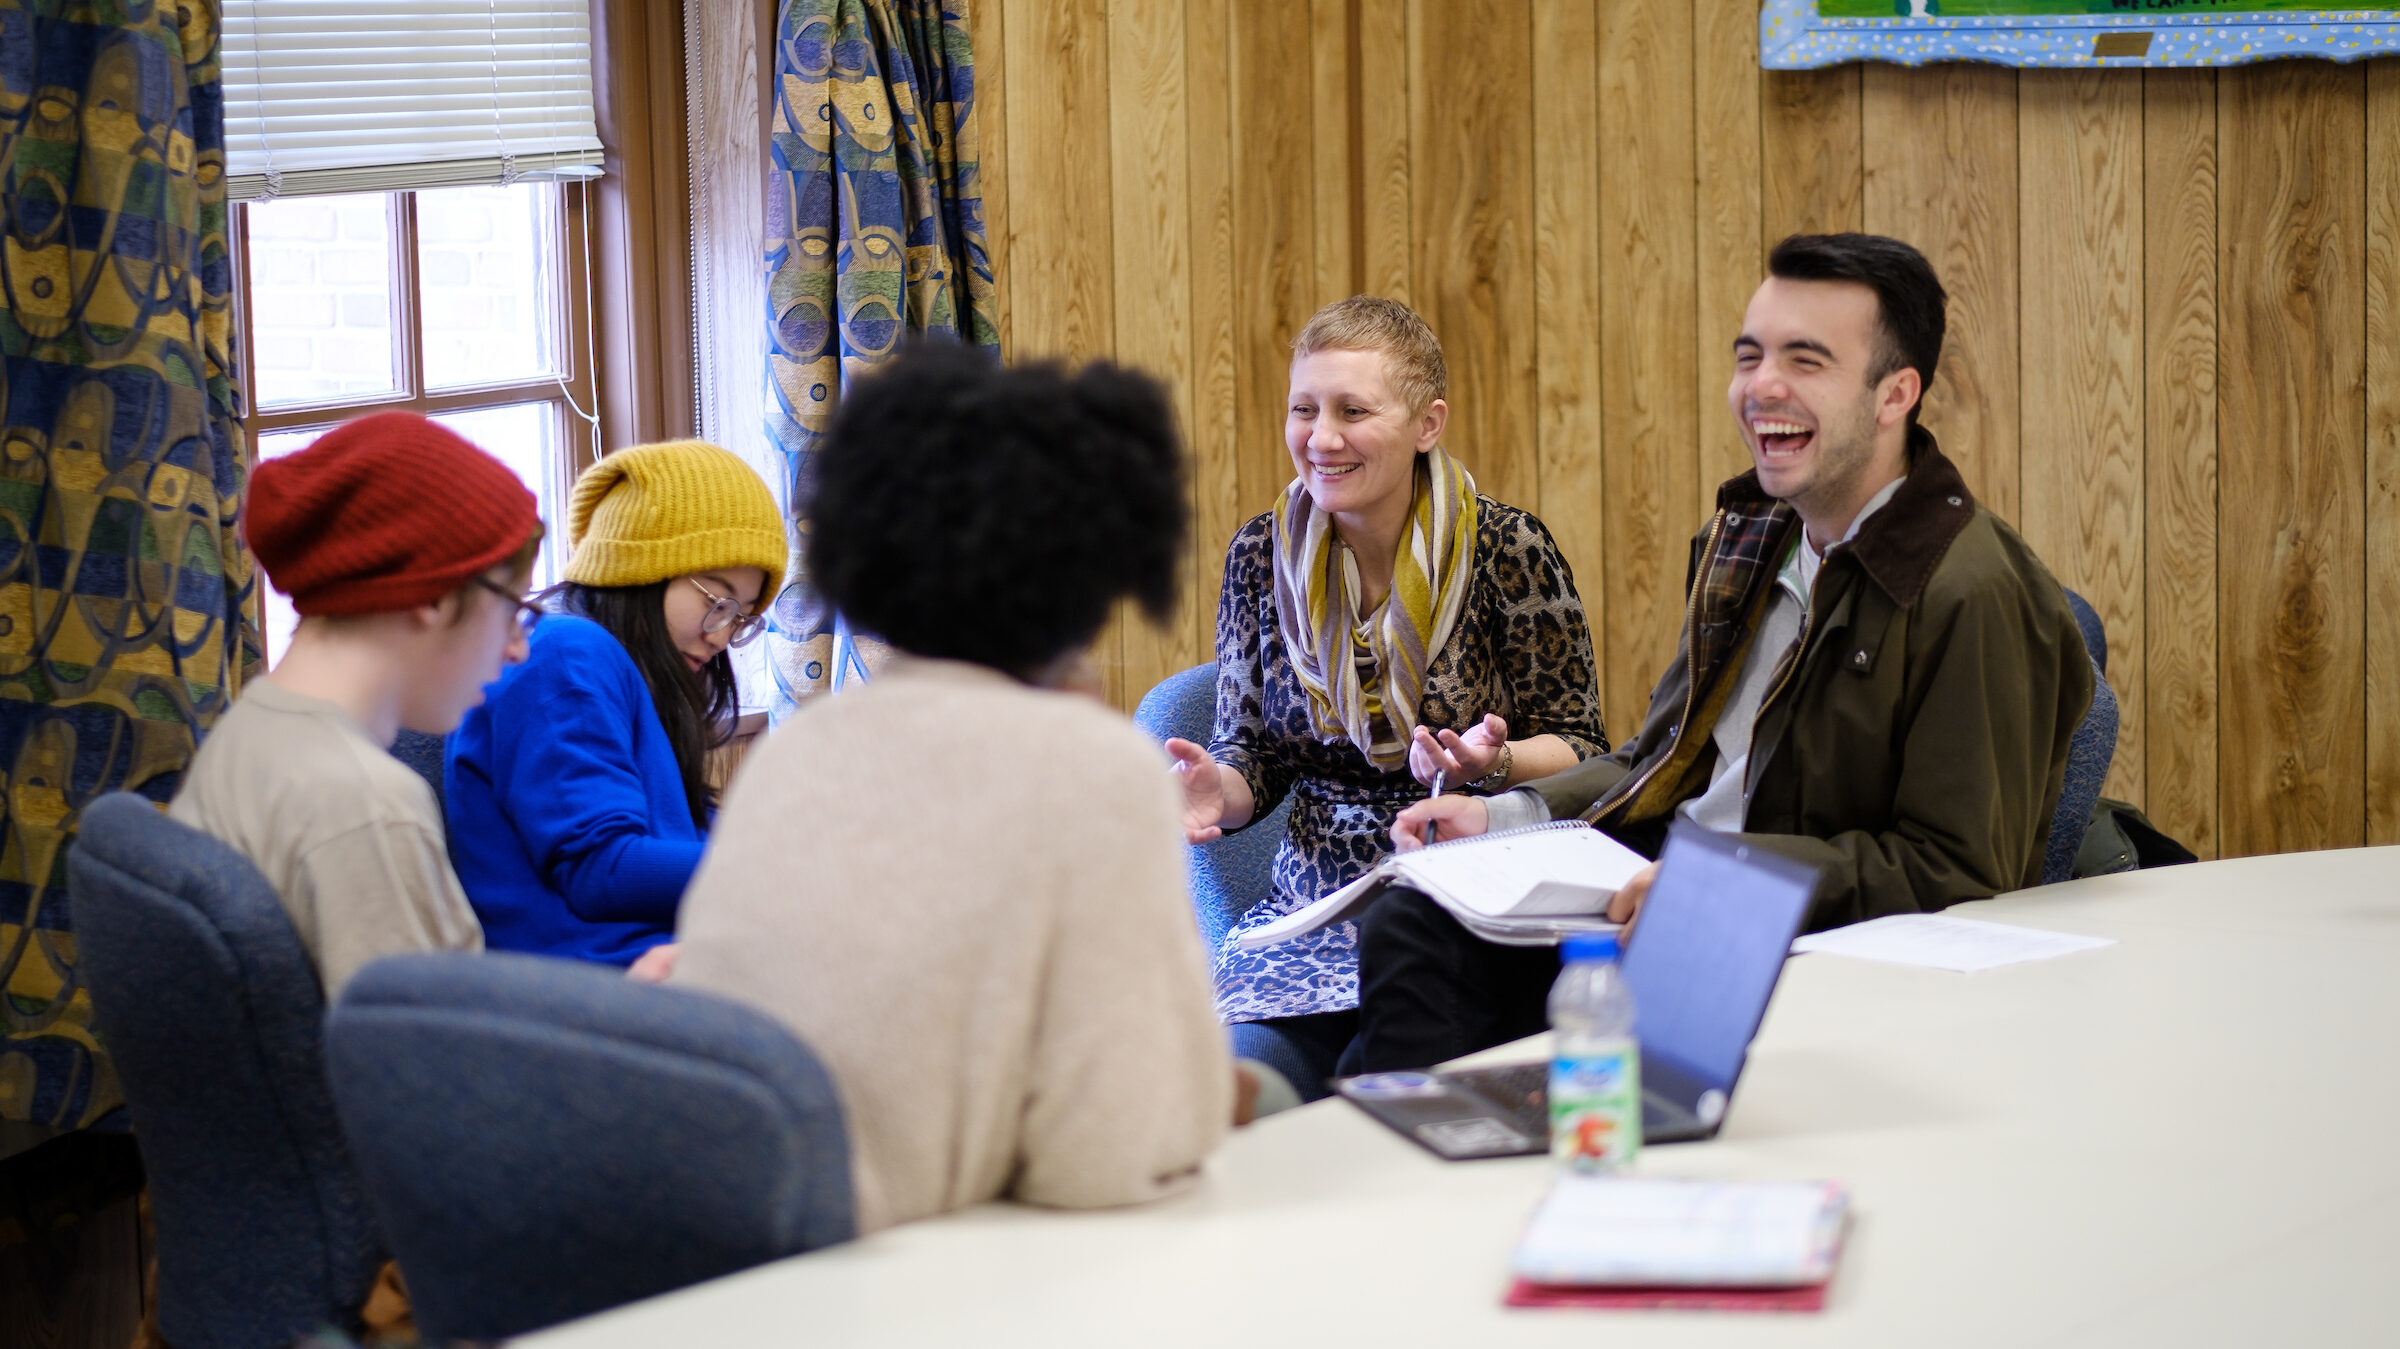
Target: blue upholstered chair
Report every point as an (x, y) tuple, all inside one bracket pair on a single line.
[(2088, 754), (423, 753), (212, 1014), (545, 1139), (1231, 874)]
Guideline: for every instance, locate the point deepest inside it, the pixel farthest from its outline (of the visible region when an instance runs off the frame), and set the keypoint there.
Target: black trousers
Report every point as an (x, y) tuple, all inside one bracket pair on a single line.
[(1430, 990)]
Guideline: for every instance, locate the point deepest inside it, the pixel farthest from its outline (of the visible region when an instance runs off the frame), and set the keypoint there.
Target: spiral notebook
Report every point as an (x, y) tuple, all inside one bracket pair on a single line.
[(1520, 887)]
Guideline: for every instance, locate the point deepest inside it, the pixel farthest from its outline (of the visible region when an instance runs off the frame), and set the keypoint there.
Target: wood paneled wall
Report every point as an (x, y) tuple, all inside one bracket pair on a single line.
[(2174, 356)]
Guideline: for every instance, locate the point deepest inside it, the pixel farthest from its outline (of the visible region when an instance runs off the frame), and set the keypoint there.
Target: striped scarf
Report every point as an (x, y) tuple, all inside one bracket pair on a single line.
[(1364, 678)]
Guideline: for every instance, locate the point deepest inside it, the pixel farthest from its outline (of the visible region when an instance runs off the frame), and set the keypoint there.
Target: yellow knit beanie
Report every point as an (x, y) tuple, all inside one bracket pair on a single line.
[(650, 512)]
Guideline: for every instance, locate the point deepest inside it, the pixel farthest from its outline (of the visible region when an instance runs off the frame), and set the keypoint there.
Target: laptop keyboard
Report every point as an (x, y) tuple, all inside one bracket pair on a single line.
[(1520, 1089), (1523, 1091)]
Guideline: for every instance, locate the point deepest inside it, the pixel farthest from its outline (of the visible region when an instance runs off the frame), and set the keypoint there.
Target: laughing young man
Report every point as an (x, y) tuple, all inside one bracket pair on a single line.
[(1876, 674)]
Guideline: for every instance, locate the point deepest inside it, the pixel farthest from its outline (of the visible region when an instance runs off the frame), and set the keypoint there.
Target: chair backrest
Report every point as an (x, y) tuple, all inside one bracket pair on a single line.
[(2089, 754), (2095, 633), (213, 1016), (1235, 872), (423, 753), (545, 1139)]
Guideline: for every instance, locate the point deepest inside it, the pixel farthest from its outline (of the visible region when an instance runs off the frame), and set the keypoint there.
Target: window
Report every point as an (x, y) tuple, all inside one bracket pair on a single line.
[(467, 304)]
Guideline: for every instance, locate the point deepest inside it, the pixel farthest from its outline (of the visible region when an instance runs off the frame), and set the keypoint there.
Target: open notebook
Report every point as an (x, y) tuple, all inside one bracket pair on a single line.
[(1521, 887)]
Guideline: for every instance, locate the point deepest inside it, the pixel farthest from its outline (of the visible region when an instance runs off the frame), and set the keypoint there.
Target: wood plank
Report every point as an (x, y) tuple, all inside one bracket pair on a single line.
[(2383, 452), (1333, 179), (1061, 300), (1941, 173), (2080, 186), (1061, 245), (2291, 353), (1385, 231), (732, 219), (1274, 224), (987, 34), (1566, 295), (1471, 128), (2179, 477), (1217, 506), (1726, 149), (1812, 151), (1150, 230), (1649, 451)]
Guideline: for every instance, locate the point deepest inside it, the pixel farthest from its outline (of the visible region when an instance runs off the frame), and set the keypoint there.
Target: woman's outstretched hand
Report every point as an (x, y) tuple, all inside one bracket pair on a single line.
[(1460, 759), (1203, 791)]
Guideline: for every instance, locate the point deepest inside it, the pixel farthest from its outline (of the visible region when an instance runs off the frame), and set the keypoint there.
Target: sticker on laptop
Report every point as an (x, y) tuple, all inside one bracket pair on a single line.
[(1395, 1087), (1471, 1138), (1711, 1107)]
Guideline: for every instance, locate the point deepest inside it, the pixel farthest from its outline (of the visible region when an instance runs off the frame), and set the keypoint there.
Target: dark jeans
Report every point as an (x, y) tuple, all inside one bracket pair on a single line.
[(1302, 1048), (1430, 990)]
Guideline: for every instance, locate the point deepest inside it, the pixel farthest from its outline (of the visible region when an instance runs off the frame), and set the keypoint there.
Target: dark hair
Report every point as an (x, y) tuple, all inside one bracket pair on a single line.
[(1908, 295), (964, 510), (697, 707)]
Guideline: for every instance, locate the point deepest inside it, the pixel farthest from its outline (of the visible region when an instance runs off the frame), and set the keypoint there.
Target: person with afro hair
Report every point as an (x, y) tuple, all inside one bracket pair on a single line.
[(962, 884)]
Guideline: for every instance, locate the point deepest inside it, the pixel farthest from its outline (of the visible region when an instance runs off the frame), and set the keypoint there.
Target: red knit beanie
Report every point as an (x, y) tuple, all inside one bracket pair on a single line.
[(382, 514)]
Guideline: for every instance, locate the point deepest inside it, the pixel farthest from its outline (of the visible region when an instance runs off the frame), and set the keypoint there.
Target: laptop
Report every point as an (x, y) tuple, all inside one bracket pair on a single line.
[(1701, 962)]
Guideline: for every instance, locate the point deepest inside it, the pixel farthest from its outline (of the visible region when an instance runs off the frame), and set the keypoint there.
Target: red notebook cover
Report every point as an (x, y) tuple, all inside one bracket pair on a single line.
[(1653, 1297)]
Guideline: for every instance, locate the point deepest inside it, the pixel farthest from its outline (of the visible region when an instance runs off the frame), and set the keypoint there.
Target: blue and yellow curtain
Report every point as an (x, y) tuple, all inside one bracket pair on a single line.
[(122, 582), (874, 232)]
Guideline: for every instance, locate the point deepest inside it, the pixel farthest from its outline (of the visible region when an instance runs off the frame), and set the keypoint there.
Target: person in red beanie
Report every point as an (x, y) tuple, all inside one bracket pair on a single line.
[(406, 551)]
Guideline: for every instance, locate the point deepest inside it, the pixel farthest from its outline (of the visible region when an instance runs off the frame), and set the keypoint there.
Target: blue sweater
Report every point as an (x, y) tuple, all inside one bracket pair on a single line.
[(568, 821)]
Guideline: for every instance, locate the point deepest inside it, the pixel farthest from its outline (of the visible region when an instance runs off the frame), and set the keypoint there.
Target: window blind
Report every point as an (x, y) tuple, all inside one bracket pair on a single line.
[(325, 96)]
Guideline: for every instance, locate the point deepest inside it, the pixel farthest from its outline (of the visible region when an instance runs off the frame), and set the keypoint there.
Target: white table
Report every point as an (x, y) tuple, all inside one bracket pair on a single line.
[(2189, 1138)]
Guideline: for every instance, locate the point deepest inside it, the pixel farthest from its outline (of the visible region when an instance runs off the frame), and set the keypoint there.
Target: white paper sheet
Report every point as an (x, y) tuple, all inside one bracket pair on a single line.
[(1512, 874), (1938, 941)]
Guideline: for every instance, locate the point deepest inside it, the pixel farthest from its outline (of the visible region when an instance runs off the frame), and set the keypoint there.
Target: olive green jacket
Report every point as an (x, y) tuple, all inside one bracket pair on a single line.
[(1915, 744)]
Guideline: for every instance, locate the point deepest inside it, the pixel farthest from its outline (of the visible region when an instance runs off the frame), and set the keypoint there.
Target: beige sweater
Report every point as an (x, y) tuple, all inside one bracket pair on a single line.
[(349, 836), (968, 897)]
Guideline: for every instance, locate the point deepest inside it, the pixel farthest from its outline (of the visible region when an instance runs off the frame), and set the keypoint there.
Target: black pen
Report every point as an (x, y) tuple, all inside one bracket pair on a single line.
[(1437, 795)]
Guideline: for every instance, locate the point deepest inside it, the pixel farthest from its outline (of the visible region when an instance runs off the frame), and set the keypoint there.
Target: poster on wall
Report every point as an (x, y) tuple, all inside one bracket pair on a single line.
[(2086, 34)]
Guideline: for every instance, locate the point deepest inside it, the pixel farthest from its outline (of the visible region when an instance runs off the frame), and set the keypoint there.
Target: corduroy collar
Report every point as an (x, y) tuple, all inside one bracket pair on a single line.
[(1901, 544)]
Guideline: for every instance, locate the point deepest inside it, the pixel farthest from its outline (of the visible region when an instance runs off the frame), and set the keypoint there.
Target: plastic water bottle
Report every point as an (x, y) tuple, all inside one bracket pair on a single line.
[(1596, 1064)]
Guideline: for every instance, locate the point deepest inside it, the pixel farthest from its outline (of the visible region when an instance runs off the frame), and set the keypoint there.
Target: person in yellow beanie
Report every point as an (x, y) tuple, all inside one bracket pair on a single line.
[(578, 797)]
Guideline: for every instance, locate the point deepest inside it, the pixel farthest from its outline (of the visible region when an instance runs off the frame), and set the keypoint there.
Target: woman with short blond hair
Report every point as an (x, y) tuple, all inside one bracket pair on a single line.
[(1383, 627)]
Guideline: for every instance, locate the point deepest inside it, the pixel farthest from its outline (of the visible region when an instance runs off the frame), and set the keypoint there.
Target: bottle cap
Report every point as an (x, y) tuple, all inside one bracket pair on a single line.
[(1590, 946)]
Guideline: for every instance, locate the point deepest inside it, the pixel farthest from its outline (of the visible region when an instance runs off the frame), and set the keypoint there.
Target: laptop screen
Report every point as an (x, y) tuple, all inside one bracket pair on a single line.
[(1710, 944)]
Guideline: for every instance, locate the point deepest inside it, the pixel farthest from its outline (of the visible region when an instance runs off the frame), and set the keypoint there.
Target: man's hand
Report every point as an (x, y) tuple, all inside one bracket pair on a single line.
[(654, 965), (1203, 791), (1460, 759), (1626, 904), (1452, 817)]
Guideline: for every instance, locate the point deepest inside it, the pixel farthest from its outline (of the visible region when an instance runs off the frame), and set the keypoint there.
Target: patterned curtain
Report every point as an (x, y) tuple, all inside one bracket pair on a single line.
[(122, 583), (874, 231)]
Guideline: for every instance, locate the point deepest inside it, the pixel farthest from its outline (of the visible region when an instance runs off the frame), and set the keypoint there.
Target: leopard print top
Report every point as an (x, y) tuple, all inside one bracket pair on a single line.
[(1521, 648)]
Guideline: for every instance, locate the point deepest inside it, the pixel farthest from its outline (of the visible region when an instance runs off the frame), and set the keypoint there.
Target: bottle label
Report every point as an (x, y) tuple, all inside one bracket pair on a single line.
[(1596, 1106)]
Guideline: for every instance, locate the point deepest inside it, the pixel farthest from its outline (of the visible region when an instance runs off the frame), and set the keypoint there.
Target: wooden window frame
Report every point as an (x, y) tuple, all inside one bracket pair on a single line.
[(641, 208), (570, 385)]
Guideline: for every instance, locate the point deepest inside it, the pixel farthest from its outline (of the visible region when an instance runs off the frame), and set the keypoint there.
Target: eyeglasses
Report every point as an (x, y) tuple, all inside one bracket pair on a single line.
[(725, 612), (528, 613)]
